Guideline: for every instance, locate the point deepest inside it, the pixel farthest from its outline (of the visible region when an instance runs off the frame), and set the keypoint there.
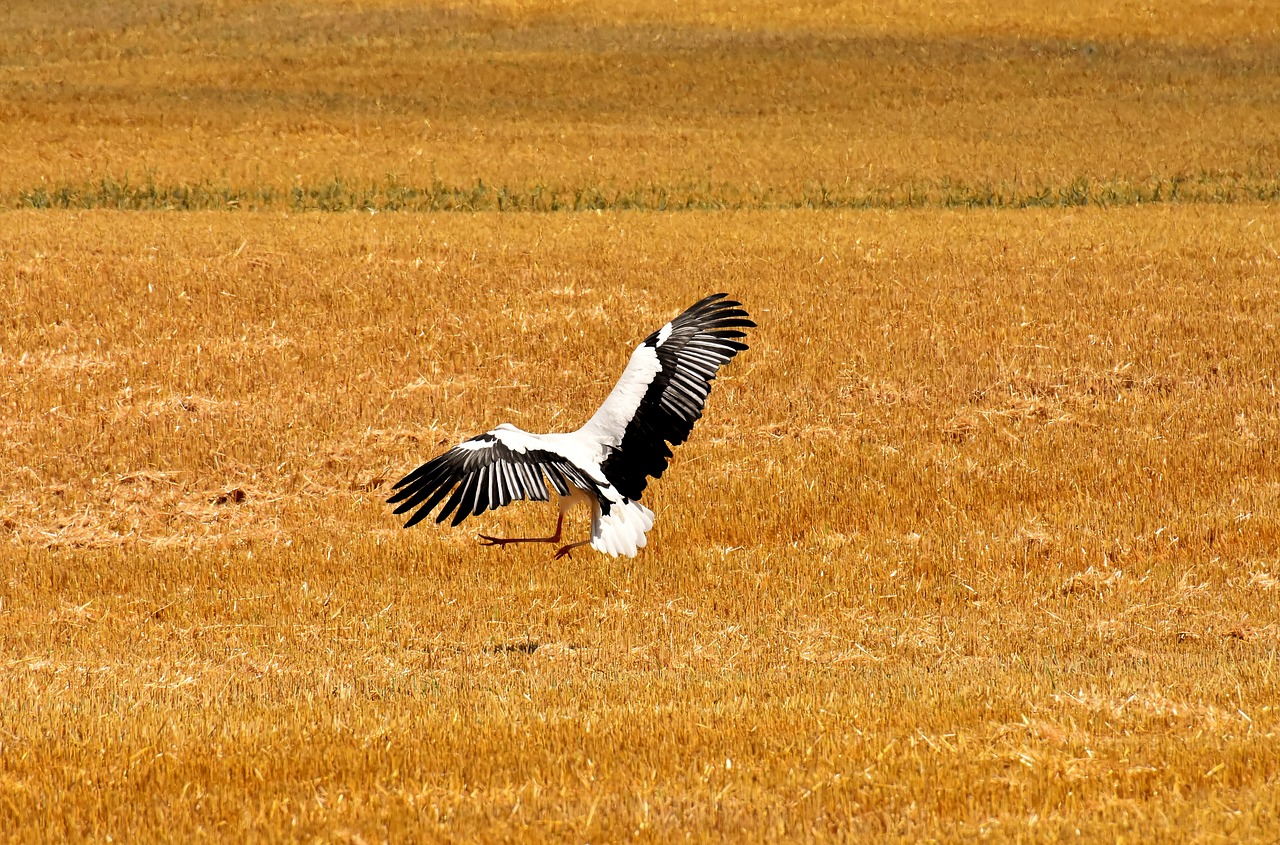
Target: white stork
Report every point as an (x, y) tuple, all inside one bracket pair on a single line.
[(607, 462)]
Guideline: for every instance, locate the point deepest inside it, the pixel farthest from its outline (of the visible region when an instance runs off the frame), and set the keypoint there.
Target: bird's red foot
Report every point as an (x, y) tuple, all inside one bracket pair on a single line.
[(567, 551), (503, 542)]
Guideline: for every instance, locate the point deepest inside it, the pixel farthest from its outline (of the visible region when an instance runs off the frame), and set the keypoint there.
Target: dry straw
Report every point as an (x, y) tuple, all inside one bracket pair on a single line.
[(979, 539)]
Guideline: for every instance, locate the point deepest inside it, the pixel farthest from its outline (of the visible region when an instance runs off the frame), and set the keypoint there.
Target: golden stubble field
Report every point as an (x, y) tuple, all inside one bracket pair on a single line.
[(979, 537), (706, 103)]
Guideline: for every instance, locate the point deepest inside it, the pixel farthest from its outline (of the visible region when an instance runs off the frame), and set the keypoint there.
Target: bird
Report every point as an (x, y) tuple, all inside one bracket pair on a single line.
[(607, 463)]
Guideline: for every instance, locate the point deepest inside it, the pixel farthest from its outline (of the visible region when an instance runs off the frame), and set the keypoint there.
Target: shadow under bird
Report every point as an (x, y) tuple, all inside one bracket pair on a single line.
[(605, 464)]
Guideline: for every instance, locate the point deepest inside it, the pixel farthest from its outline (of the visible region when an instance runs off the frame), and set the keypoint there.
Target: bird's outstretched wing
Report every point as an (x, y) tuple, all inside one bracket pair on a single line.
[(662, 392), (482, 473)]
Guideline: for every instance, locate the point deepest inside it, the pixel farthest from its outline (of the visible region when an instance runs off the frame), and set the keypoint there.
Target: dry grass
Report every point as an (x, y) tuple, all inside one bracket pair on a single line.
[(979, 539), (709, 103), (980, 536)]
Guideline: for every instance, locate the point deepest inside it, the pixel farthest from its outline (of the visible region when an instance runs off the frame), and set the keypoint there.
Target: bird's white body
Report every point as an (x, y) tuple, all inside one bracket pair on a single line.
[(607, 462), (619, 532)]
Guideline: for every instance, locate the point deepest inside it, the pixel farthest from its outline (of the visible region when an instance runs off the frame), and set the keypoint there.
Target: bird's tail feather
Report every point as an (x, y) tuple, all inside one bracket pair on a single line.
[(622, 530)]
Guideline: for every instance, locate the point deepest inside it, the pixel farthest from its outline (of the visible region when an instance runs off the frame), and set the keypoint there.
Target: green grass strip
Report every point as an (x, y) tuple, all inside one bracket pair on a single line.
[(392, 195)]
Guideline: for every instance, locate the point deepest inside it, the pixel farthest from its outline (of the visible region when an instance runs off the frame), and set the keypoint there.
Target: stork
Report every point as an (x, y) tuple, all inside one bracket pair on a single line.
[(605, 464)]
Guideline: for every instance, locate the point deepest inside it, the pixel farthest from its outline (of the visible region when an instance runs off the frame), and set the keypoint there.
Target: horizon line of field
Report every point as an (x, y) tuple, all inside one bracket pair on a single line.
[(389, 194)]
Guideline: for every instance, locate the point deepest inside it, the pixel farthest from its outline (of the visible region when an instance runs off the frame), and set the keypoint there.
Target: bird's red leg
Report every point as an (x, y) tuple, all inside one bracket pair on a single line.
[(486, 540)]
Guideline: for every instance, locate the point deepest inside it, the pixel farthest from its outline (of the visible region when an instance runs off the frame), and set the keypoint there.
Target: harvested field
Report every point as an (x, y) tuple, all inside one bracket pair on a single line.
[(979, 535), (981, 538)]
